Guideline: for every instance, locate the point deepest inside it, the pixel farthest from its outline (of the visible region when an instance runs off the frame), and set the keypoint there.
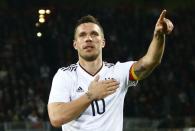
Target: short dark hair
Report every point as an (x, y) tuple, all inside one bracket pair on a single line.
[(88, 19)]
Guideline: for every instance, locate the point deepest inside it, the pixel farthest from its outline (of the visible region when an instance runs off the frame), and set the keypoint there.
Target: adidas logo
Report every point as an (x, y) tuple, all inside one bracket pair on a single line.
[(80, 89)]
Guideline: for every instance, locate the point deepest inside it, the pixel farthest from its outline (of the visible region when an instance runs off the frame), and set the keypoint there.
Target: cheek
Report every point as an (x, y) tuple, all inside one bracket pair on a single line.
[(96, 40), (99, 43), (78, 45)]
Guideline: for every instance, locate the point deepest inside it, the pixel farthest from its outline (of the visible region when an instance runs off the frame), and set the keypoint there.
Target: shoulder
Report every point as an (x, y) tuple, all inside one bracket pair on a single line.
[(108, 64), (70, 68), (123, 67), (67, 72), (118, 63), (124, 64)]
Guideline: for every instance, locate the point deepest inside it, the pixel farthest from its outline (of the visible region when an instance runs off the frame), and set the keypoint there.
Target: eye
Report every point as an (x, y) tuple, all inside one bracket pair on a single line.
[(94, 33), (82, 34)]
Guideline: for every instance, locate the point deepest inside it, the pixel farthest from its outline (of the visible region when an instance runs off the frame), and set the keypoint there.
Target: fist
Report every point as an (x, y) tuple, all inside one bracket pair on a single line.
[(163, 25)]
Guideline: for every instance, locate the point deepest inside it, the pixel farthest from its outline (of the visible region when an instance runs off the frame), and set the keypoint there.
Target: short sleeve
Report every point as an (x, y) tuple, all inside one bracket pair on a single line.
[(60, 89), (124, 70)]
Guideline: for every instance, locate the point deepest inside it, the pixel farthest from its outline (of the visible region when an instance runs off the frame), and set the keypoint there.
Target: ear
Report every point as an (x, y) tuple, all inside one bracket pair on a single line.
[(103, 43), (74, 45)]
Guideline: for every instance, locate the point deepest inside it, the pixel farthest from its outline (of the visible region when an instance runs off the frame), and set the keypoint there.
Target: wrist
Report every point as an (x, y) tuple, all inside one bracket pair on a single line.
[(159, 35), (89, 95)]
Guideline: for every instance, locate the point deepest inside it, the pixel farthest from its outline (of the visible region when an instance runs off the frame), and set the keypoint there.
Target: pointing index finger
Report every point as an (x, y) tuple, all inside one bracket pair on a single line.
[(162, 16)]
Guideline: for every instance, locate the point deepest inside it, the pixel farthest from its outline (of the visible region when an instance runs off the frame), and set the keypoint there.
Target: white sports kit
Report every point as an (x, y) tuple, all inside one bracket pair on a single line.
[(102, 115)]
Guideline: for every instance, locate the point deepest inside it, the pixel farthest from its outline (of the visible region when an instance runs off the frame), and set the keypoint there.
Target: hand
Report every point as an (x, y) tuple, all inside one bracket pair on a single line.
[(100, 89), (163, 25)]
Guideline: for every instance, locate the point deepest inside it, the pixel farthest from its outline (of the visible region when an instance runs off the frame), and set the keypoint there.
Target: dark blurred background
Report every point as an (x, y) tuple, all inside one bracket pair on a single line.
[(31, 51)]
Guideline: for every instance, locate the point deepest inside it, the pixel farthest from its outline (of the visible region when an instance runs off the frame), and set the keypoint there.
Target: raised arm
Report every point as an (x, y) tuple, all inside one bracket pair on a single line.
[(143, 67)]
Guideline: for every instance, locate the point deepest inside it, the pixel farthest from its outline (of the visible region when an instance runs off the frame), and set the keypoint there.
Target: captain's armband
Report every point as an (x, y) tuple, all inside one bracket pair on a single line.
[(132, 75)]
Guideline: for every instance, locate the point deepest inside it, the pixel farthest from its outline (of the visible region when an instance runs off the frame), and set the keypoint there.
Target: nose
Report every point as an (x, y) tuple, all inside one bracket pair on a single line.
[(88, 38)]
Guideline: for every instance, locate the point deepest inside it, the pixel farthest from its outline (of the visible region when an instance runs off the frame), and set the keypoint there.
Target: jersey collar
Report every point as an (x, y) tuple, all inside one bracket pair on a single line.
[(85, 72)]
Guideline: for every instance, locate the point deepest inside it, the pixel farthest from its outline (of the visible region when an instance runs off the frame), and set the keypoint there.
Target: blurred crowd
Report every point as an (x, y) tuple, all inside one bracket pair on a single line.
[(28, 63)]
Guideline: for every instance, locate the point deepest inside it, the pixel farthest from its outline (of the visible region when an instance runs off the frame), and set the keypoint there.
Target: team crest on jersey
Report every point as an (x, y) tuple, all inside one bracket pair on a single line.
[(79, 89)]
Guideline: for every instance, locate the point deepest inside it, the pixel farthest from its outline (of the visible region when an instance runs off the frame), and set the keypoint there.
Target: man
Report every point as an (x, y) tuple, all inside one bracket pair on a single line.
[(89, 95)]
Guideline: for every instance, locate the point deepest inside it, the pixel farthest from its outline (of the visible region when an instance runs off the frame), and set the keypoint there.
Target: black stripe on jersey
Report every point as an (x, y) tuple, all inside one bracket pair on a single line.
[(72, 67), (108, 64)]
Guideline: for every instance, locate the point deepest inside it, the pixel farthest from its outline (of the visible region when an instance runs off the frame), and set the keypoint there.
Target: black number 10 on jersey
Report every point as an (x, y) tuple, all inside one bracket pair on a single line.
[(96, 108)]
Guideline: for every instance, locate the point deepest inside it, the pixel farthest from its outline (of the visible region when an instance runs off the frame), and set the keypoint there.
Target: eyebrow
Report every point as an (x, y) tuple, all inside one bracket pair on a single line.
[(92, 32), (95, 32), (82, 33)]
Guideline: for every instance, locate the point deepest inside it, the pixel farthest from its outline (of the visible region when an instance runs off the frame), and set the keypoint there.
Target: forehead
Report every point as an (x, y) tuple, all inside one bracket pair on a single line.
[(88, 27)]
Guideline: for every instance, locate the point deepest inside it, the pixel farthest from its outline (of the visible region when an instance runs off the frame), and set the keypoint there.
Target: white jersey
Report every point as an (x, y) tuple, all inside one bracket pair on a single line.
[(103, 115)]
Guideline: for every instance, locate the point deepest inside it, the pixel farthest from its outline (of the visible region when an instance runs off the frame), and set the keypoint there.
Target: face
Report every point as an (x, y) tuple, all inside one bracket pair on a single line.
[(89, 41)]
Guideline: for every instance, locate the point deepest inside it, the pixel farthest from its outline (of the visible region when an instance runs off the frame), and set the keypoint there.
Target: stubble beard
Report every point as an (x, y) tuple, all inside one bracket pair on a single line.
[(89, 57)]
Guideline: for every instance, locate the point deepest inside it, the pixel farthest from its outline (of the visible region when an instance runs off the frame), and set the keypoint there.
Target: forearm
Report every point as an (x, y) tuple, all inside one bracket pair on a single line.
[(60, 113), (155, 50), (146, 64)]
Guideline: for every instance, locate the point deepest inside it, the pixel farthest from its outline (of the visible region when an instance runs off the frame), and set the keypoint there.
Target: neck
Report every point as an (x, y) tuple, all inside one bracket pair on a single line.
[(91, 67)]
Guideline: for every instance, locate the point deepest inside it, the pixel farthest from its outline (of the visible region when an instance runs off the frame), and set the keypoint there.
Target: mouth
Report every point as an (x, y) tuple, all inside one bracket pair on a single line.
[(88, 47)]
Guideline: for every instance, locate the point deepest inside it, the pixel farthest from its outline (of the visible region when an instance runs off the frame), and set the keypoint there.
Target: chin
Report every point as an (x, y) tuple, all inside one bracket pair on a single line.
[(90, 58)]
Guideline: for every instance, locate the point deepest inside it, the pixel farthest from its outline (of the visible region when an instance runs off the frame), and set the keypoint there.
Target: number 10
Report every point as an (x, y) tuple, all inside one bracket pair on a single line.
[(97, 107)]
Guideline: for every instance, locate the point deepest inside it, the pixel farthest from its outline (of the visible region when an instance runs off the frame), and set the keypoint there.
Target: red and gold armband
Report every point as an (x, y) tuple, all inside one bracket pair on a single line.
[(132, 75)]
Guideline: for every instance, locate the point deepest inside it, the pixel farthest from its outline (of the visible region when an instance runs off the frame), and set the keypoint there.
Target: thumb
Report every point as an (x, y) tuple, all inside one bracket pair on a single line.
[(97, 78)]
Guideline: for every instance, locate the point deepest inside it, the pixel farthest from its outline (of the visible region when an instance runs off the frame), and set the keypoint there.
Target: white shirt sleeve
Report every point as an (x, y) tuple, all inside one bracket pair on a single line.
[(60, 89), (124, 69)]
